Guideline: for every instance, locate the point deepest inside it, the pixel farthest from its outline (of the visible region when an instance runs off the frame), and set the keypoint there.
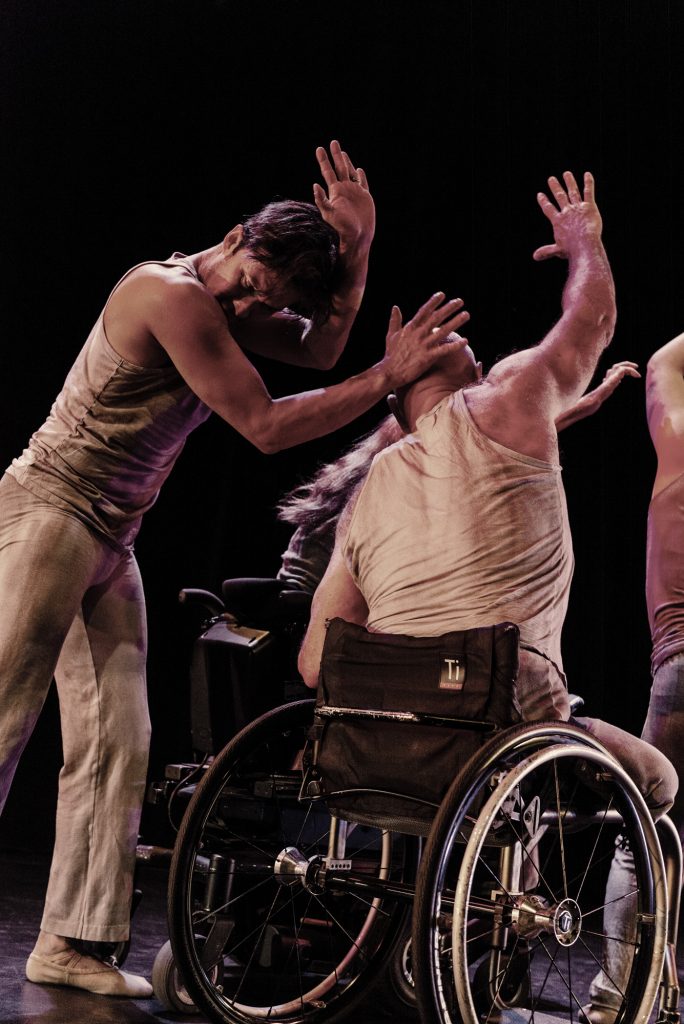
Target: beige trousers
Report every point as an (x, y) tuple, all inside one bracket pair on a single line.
[(72, 606)]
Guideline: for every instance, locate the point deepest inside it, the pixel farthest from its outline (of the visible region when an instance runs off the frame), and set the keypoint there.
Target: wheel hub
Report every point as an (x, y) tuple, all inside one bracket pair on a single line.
[(531, 915), (567, 922), (291, 868)]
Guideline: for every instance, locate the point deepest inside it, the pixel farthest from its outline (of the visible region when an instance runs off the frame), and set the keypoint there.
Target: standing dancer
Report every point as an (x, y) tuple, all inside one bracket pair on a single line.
[(166, 350)]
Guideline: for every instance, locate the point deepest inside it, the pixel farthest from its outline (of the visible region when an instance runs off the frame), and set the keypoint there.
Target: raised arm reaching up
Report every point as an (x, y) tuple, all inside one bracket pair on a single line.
[(524, 394), (347, 206)]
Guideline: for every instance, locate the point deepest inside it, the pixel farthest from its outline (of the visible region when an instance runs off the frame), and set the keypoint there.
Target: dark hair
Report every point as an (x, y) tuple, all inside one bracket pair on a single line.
[(292, 239), (316, 505)]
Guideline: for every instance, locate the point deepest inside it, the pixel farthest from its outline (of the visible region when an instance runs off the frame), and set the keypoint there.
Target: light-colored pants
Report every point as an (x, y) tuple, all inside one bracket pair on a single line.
[(72, 606), (664, 729)]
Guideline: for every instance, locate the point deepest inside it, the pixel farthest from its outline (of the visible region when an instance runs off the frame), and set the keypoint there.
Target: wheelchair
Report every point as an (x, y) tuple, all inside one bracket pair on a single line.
[(321, 831)]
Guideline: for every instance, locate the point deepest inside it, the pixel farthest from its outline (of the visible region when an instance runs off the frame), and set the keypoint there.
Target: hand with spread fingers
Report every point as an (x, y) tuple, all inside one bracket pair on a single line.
[(347, 205), (412, 348), (575, 219)]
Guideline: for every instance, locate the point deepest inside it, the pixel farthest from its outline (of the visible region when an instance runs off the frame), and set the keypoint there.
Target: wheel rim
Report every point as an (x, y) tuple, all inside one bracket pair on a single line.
[(551, 923)]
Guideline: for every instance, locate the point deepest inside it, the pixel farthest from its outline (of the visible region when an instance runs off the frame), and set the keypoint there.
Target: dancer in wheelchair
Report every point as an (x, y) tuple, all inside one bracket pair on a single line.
[(463, 523), (314, 507), (165, 352)]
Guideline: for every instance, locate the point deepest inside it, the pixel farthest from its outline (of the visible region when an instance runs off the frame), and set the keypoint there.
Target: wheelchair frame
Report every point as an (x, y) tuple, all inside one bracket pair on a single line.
[(207, 862)]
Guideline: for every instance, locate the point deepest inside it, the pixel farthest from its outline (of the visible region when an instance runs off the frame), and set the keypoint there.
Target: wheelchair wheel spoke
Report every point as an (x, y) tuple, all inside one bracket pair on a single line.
[(590, 859), (521, 840), (536, 998), (559, 813), (616, 985), (574, 1001), (261, 932), (610, 903)]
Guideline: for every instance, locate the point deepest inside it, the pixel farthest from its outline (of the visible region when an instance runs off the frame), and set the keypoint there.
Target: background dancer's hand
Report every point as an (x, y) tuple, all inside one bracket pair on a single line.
[(590, 403)]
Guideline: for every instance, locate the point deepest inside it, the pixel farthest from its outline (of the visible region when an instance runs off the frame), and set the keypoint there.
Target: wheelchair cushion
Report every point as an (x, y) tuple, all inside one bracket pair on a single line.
[(395, 773)]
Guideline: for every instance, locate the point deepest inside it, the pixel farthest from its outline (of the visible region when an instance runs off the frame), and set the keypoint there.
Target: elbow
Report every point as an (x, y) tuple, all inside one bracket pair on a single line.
[(264, 436), (327, 361), (607, 324), (605, 316), (598, 324), (322, 360), (269, 445), (308, 669), (596, 314)]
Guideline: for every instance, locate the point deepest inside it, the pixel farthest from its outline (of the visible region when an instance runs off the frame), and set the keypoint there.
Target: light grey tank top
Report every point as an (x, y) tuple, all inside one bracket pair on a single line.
[(112, 436), (452, 530)]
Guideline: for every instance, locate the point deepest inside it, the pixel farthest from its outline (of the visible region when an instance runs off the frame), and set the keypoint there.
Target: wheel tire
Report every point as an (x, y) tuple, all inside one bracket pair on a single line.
[(553, 787), (395, 995), (290, 953), (167, 984)]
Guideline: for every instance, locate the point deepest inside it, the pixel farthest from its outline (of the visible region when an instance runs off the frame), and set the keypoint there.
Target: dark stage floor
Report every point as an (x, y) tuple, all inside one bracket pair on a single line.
[(22, 884)]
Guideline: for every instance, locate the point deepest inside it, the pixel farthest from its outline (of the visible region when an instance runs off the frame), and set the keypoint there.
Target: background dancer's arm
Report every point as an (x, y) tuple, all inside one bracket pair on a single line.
[(593, 400), (665, 410)]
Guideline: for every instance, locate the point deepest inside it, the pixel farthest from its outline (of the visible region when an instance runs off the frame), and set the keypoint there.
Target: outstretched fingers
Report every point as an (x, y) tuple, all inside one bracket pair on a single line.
[(589, 189), (547, 207), (440, 336), (341, 168), (363, 180), (395, 321), (428, 313), (327, 169), (572, 187), (558, 192), (320, 198)]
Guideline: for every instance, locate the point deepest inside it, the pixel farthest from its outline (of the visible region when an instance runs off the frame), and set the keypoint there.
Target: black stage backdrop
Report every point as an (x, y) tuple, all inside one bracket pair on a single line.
[(130, 129)]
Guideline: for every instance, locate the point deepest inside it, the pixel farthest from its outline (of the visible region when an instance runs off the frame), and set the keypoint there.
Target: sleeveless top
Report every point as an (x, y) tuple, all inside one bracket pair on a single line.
[(112, 436), (452, 530), (665, 572)]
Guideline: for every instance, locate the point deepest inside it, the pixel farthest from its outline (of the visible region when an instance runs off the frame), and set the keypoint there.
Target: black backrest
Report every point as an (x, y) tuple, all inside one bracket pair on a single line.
[(397, 717)]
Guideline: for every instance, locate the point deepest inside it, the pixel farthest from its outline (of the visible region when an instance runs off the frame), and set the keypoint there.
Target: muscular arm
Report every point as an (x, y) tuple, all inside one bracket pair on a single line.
[(347, 205), (524, 394), (665, 410), (293, 339), (190, 326)]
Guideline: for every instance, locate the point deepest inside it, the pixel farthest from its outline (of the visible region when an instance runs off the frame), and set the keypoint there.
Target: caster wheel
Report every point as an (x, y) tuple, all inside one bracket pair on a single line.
[(167, 984), (512, 988)]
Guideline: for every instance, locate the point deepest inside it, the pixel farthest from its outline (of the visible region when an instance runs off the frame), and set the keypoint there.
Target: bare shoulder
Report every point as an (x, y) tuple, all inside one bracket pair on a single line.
[(513, 406), (154, 283), (150, 297)]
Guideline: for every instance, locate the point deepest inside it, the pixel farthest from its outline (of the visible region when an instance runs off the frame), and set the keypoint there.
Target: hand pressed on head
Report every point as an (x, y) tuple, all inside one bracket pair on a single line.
[(412, 348)]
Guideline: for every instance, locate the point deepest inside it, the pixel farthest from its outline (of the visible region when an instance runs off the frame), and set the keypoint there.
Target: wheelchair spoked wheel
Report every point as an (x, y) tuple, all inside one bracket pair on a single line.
[(247, 889), (509, 916)]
